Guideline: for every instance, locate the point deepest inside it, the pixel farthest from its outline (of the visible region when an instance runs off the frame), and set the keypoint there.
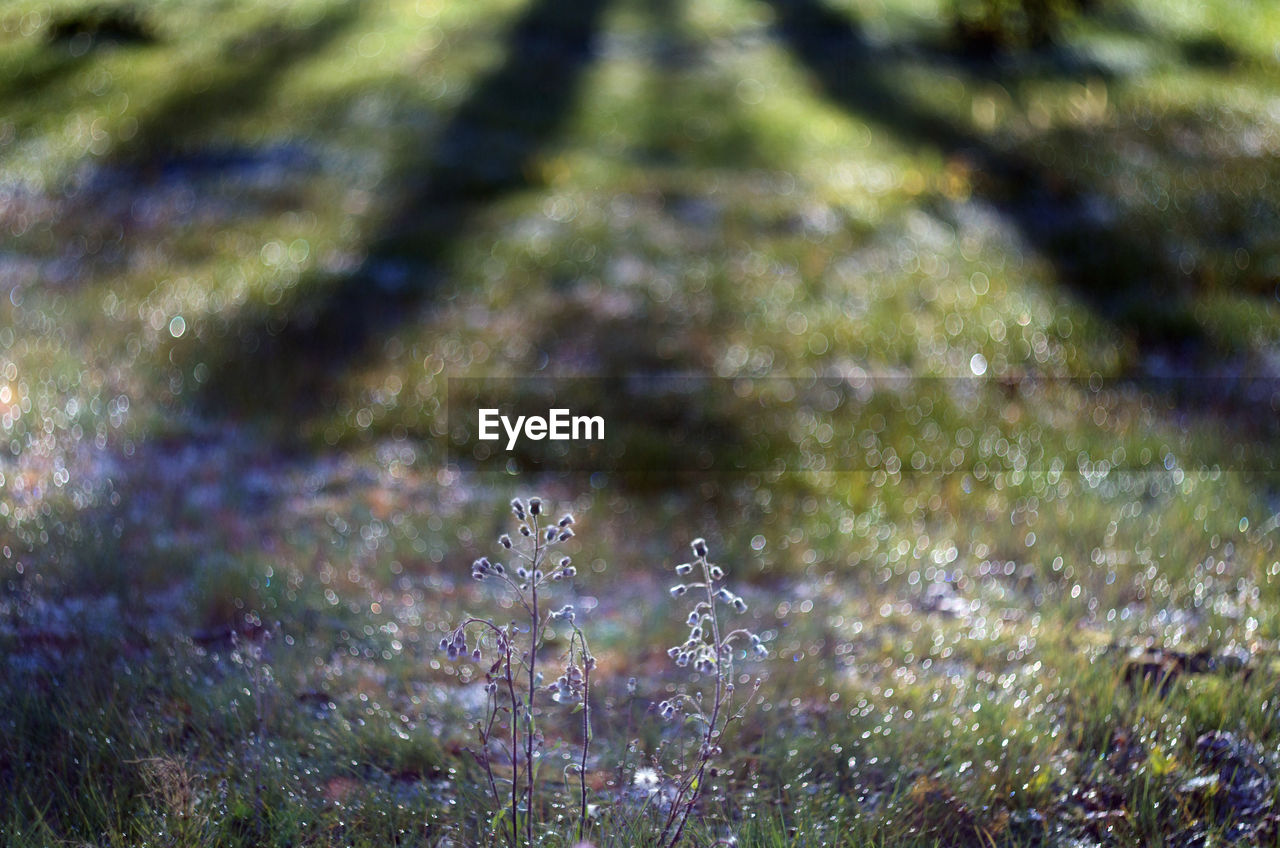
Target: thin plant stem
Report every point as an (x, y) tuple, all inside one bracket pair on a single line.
[(691, 787), (586, 726), (534, 635)]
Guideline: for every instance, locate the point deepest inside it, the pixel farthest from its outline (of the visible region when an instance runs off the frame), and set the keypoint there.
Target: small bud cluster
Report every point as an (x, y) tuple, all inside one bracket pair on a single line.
[(455, 646), (559, 532), (570, 686), (522, 577), (482, 568)]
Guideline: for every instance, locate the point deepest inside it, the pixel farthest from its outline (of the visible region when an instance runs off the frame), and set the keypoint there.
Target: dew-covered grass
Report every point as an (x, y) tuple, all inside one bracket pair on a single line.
[(1012, 578)]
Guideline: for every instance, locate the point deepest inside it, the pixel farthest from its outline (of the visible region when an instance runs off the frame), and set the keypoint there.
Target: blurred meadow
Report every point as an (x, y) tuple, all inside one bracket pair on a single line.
[(1019, 583)]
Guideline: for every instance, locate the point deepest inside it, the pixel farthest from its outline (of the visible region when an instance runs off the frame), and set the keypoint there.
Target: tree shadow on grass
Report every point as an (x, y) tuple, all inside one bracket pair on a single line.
[(1117, 260), (179, 146), (239, 82), (43, 70), (281, 367)]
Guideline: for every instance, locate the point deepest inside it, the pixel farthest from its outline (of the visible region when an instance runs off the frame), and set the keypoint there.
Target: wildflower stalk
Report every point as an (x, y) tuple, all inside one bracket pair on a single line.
[(535, 638), (513, 678), (515, 672), (579, 639), (708, 657), (486, 733), (693, 787), (515, 757), (586, 744)]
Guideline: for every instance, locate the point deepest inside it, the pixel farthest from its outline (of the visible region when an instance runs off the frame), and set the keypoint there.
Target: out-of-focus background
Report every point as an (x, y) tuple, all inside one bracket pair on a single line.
[(1020, 582)]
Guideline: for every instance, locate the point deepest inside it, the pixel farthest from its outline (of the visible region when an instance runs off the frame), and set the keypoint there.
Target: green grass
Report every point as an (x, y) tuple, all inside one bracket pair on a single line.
[(243, 260)]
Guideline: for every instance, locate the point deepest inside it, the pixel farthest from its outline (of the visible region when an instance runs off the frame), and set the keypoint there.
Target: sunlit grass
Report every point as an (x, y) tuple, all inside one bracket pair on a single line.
[(711, 201)]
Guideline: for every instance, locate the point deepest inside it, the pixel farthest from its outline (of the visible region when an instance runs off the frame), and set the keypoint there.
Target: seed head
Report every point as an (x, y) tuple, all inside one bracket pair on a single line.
[(505, 541), (535, 506), (699, 547), (567, 520), (566, 534), (684, 568), (517, 507)]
